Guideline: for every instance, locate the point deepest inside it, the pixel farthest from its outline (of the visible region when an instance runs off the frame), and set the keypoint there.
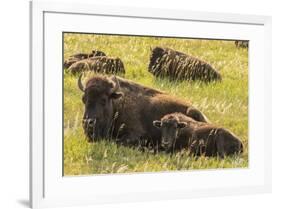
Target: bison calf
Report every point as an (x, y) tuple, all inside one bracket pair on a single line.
[(106, 65), (180, 131), (165, 62)]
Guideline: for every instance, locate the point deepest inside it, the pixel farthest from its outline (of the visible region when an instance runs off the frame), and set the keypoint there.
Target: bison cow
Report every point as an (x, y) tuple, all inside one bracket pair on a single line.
[(81, 56), (165, 62), (106, 65), (179, 131), (121, 110)]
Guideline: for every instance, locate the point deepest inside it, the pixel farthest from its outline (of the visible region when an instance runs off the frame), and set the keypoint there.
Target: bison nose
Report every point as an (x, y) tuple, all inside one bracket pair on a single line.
[(91, 122), (165, 143)]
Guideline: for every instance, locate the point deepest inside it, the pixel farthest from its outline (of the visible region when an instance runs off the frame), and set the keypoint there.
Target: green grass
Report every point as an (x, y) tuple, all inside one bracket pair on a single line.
[(225, 103)]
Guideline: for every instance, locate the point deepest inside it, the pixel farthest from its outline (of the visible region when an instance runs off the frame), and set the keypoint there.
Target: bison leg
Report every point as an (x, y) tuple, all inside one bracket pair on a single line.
[(220, 145), (194, 147)]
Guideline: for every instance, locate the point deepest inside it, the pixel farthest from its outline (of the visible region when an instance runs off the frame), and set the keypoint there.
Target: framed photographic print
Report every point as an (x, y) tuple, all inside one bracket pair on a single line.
[(136, 105)]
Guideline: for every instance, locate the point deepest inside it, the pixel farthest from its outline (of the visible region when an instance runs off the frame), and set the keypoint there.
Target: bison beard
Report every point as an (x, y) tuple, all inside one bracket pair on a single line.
[(127, 119), (165, 62)]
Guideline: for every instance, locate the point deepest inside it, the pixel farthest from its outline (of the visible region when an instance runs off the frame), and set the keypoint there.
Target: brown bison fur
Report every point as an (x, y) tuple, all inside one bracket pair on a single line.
[(80, 56), (165, 62), (123, 110), (196, 115), (180, 131), (242, 44), (106, 65), (67, 63), (95, 53)]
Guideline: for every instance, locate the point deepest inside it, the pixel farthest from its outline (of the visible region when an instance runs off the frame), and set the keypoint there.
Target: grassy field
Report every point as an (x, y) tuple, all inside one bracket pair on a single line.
[(224, 103)]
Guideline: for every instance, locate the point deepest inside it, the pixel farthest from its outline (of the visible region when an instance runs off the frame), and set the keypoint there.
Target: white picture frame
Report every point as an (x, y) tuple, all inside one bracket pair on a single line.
[(48, 187)]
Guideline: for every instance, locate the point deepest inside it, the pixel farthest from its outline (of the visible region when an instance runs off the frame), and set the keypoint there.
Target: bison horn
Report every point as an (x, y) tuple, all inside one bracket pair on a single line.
[(116, 86), (80, 85)]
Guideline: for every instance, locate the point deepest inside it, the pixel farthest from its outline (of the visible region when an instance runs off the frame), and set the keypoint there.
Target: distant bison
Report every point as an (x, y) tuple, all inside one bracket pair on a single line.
[(80, 56), (180, 131), (165, 62), (68, 62), (106, 65), (122, 110), (242, 44)]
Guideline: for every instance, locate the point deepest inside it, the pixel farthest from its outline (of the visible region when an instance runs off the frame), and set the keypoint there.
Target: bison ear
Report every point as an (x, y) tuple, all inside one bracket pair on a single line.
[(116, 95), (182, 125), (157, 123)]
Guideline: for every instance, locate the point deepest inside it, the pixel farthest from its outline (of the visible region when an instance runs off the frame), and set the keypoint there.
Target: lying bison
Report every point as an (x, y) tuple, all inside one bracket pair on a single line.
[(106, 65), (80, 56), (122, 110), (67, 63), (180, 131), (242, 44), (165, 62)]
